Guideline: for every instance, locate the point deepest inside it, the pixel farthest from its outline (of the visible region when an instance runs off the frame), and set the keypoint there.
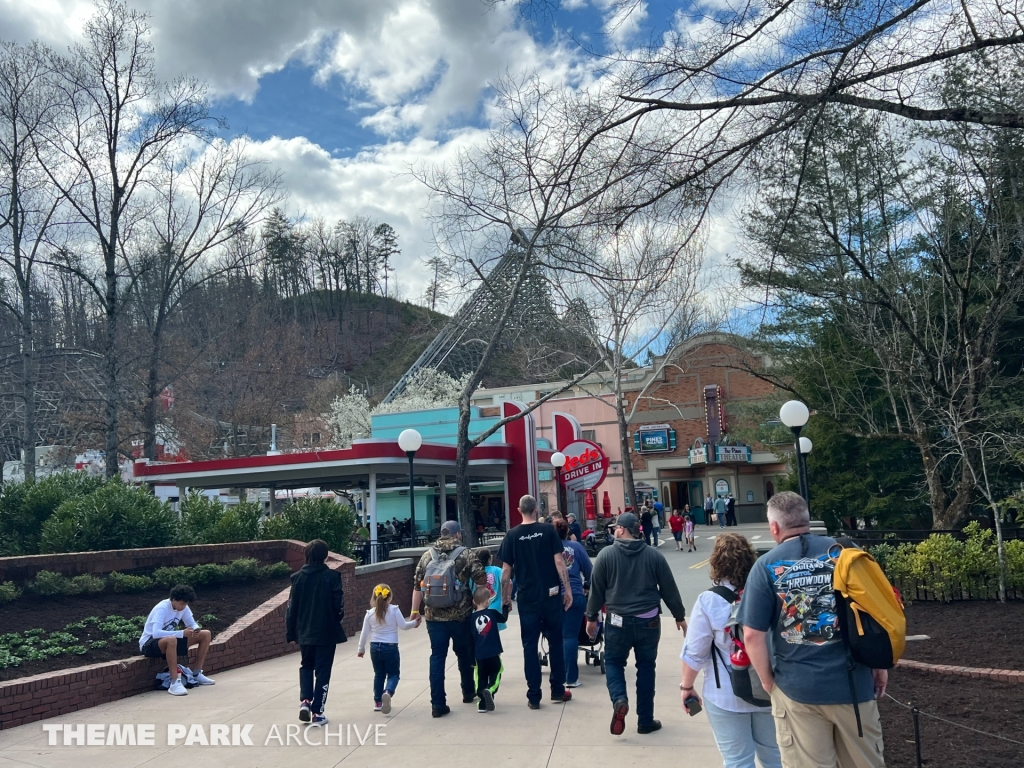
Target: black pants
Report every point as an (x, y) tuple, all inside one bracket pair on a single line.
[(317, 661), (545, 618), (488, 675)]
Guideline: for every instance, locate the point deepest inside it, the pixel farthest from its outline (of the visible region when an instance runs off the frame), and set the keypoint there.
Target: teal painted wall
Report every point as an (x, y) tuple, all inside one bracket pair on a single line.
[(440, 425)]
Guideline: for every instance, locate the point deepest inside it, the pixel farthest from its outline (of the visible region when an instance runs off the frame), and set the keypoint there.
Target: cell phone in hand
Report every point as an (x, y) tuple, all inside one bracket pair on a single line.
[(692, 704)]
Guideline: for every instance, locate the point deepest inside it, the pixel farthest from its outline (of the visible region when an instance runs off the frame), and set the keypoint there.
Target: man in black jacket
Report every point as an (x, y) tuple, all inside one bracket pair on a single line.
[(316, 607), (630, 580)]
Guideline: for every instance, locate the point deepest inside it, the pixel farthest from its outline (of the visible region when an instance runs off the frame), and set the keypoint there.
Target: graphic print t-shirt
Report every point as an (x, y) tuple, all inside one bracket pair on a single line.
[(577, 562), (789, 595), (530, 550), (485, 632)]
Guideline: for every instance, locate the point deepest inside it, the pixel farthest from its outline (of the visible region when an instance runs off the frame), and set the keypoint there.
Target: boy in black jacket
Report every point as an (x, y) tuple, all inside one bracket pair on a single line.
[(488, 647), (316, 607)]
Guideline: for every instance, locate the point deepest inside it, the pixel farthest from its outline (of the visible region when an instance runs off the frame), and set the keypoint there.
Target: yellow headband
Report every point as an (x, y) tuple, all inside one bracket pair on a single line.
[(381, 591)]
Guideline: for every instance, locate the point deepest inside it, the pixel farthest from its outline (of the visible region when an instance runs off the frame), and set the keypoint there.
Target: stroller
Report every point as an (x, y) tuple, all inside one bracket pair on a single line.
[(593, 650)]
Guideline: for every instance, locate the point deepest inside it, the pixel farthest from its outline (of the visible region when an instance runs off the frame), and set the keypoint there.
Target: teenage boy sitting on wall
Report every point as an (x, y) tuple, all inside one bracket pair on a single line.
[(162, 637)]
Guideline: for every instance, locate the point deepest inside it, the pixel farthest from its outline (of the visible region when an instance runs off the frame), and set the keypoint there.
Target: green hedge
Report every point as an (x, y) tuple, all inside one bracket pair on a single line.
[(116, 516), (74, 512), (945, 568)]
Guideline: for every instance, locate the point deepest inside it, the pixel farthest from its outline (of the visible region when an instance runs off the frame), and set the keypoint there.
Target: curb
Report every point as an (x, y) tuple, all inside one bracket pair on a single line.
[(978, 673)]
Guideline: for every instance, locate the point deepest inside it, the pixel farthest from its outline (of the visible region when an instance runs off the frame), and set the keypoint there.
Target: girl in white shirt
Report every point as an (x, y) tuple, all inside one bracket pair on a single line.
[(380, 628), (741, 730)]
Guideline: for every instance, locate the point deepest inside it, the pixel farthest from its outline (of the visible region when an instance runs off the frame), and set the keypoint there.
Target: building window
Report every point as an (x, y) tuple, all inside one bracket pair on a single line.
[(316, 438), (590, 434), (305, 439)]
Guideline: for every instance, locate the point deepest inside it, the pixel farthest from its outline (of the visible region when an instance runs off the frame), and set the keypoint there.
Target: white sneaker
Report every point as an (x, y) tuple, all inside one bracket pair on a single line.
[(385, 703), (177, 688), (202, 679)]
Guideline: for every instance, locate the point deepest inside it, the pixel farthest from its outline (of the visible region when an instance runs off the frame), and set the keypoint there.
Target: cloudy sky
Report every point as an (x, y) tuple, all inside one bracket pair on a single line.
[(343, 96)]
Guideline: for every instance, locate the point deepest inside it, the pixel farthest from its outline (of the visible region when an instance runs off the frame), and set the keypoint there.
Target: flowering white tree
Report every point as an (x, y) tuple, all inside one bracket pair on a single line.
[(349, 417)]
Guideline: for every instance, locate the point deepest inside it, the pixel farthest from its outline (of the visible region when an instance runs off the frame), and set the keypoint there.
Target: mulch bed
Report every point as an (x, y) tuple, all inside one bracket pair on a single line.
[(983, 634), (973, 634), (227, 602)]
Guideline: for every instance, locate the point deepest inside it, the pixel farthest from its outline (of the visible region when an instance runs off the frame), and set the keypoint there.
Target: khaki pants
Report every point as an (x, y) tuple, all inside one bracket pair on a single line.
[(825, 735)]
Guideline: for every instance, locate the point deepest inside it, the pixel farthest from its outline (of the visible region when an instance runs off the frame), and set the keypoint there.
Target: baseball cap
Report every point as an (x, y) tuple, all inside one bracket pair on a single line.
[(628, 521), (571, 516), (450, 528)]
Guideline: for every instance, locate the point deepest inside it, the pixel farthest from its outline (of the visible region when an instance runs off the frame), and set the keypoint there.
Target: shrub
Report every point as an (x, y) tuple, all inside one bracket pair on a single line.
[(314, 518), (127, 584), (277, 570), (207, 521), (245, 568), (24, 507), (169, 576), (9, 591), (206, 574), (115, 516), (50, 583), (87, 584)]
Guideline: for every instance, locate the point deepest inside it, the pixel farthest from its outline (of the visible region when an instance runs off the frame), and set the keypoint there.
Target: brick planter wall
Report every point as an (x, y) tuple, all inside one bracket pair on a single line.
[(257, 636)]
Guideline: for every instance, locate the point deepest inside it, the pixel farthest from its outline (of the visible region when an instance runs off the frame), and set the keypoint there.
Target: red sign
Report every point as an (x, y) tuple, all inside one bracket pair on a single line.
[(586, 466)]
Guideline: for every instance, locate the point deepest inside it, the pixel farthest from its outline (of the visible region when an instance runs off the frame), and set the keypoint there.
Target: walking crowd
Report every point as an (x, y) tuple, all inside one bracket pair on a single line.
[(781, 685)]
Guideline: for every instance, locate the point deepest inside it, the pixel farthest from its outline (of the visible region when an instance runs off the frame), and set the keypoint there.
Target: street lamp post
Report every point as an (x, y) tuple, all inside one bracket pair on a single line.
[(410, 441), (558, 461), (805, 449), (794, 415)]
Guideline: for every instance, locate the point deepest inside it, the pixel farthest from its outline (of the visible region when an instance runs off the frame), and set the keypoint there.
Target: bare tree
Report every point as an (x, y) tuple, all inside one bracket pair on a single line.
[(117, 120), (507, 214), (29, 206), (647, 287), (201, 204)]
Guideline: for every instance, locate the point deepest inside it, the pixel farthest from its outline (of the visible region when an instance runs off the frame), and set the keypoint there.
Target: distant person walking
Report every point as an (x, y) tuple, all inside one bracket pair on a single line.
[(630, 580), (805, 669), (316, 607), (659, 510), (449, 623), (380, 629), (645, 522), (721, 507), (578, 563), (532, 551), (676, 524), (742, 730), (730, 511), (709, 507)]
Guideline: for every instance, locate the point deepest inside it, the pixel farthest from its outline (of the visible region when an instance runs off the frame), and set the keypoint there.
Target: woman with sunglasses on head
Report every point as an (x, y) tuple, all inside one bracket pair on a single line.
[(380, 628)]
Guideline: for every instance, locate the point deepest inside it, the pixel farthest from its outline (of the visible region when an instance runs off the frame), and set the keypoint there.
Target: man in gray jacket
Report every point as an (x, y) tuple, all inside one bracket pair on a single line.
[(630, 580)]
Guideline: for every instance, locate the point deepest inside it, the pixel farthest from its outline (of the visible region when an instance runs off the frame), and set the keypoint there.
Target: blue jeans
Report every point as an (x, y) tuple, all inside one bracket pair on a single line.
[(721, 519), (571, 623), (642, 637), (460, 635), (654, 535), (387, 664), (534, 621), (741, 735)]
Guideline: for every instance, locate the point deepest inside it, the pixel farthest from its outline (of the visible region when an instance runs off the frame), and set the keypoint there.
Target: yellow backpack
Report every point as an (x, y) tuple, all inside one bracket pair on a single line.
[(871, 617)]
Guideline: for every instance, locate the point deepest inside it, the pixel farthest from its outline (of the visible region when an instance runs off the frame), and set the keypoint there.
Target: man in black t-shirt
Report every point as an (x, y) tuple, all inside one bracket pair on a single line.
[(533, 551)]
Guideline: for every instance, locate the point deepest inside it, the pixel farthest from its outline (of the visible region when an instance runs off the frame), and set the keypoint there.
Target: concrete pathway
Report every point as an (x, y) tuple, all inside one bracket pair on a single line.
[(264, 696)]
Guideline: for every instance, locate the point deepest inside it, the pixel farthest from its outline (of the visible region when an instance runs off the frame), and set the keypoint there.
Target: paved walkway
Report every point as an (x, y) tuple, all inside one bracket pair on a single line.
[(265, 694)]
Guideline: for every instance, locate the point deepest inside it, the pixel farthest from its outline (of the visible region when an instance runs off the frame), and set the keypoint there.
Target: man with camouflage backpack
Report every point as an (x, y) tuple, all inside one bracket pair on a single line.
[(445, 579)]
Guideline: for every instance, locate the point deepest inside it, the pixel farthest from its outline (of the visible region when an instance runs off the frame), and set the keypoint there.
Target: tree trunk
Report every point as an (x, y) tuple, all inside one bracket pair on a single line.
[(628, 485), (933, 477), (150, 411), (956, 510), (29, 383), (110, 299), (462, 492)]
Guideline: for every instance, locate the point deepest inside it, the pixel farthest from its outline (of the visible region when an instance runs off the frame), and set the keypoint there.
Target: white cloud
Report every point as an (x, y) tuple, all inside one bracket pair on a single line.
[(375, 183)]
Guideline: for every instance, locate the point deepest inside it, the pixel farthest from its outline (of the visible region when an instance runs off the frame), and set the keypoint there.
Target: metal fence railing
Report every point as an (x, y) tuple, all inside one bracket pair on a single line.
[(868, 538)]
